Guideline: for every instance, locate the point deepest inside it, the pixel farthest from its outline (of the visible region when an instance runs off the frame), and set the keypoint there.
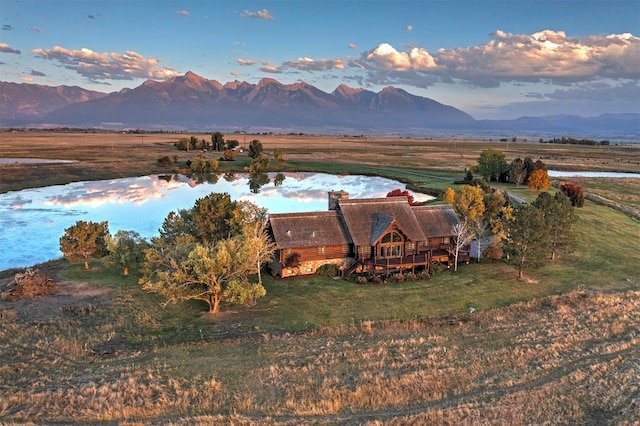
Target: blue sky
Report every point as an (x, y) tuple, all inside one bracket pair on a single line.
[(492, 59)]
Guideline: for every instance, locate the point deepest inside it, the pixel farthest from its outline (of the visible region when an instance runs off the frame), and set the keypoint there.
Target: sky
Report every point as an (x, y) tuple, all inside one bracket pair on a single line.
[(494, 59)]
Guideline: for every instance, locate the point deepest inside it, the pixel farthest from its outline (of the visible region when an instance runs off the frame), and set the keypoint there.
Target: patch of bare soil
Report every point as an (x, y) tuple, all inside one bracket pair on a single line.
[(36, 297)]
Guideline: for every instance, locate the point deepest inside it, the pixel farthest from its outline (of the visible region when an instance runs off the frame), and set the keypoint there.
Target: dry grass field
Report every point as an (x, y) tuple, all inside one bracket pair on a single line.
[(563, 348), (112, 155)]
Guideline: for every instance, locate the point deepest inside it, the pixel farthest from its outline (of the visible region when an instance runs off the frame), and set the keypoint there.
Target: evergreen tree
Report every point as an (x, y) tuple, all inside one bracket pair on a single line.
[(560, 217), (526, 238)]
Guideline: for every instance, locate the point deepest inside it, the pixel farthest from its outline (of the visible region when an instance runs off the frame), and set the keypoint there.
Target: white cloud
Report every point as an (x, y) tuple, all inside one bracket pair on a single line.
[(387, 57), (5, 48), (267, 66), (409, 28), (352, 46), (308, 64), (106, 66), (260, 14), (545, 55), (183, 12), (245, 61)]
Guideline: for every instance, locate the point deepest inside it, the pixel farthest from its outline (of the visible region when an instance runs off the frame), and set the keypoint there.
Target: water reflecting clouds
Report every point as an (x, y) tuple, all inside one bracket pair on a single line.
[(33, 220)]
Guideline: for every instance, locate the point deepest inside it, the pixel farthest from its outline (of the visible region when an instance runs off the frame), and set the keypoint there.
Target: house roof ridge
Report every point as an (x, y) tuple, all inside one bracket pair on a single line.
[(303, 214), (434, 207), (374, 200)]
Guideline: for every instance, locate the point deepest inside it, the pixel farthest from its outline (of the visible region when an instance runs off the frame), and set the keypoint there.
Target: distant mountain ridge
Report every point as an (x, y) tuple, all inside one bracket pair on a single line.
[(192, 102), (22, 101)]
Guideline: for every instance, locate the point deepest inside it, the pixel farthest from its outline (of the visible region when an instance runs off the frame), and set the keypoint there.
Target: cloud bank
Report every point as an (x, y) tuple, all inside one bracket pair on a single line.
[(545, 55), (106, 66), (506, 58)]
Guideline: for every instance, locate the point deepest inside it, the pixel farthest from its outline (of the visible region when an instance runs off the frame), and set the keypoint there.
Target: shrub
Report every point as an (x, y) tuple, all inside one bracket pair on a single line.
[(410, 276), (493, 252), (424, 275), (574, 192), (437, 267), (399, 278), (377, 279), (165, 161), (328, 270), (361, 280)]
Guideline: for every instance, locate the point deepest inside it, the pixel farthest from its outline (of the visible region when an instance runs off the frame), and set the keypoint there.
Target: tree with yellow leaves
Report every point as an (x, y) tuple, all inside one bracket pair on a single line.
[(539, 180)]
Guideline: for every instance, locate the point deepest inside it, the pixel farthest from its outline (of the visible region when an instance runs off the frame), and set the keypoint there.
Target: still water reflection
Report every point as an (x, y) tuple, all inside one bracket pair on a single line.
[(33, 220)]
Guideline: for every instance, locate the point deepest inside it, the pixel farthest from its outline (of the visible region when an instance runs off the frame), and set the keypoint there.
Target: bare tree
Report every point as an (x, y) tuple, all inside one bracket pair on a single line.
[(461, 237)]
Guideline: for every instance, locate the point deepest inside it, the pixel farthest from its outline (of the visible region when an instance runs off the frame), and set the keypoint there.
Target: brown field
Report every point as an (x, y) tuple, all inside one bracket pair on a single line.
[(112, 155), (564, 352)]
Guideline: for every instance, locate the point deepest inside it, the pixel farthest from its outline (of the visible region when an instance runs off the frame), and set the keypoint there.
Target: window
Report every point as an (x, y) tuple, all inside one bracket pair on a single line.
[(390, 245), (322, 250), (345, 249)]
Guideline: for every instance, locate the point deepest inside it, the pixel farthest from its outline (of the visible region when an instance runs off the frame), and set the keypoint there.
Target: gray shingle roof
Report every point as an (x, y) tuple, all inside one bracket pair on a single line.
[(363, 218), (436, 221), (291, 230)]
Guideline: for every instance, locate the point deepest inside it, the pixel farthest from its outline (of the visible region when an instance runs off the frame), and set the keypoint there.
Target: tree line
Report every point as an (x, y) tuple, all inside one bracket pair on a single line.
[(529, 235), (212, 252)]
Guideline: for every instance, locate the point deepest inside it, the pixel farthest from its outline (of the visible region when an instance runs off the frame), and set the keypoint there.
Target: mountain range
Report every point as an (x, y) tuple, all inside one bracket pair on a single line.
[(191, 102)]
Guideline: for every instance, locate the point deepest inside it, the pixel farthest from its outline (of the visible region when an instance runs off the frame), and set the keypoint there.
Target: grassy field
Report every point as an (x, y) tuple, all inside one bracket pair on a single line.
[(561, 348)]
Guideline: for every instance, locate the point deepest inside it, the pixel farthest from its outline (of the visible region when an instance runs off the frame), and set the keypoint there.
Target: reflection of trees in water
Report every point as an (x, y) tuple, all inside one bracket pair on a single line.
[(278, 179), (200, 178), (257, 180)]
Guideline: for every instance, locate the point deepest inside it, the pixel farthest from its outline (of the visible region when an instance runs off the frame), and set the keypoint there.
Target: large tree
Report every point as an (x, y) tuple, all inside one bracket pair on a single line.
[(491, 164), (560, 217), (84, 241), (255, 149), (178, 225), (539, 180), (210, 252), (526, 238), (213, 273), (468, 203), (211, 216), (217, 141), (517, 172), (126, 248)]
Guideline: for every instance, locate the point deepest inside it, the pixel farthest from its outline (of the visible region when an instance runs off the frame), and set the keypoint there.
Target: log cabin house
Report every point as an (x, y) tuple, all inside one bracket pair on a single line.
[(374, 235)]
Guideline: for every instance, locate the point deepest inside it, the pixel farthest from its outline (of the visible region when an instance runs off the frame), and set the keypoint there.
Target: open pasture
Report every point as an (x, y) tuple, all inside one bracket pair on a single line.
[(560, 348)]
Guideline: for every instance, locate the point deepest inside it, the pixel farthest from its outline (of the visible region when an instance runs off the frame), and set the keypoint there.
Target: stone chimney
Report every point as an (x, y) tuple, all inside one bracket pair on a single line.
[(335, 197)]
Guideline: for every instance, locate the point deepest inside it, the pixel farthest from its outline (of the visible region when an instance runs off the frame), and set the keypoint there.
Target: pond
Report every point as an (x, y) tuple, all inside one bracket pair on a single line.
[(32, 161), (556, 173), (33, 220)]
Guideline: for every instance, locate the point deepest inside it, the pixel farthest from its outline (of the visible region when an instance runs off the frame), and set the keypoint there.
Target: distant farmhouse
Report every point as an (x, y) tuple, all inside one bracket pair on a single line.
[(371, 235)]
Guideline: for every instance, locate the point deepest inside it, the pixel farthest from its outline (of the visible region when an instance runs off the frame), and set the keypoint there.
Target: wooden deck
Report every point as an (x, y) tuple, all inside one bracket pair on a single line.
[(400, 264)]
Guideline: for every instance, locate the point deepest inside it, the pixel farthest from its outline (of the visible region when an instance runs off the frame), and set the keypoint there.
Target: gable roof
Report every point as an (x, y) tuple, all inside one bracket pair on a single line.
[(436, 221), (293, 230), (364, 218)]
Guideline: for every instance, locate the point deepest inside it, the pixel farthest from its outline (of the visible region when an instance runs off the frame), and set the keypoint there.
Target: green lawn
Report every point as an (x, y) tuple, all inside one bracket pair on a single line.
[(605, 259)]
